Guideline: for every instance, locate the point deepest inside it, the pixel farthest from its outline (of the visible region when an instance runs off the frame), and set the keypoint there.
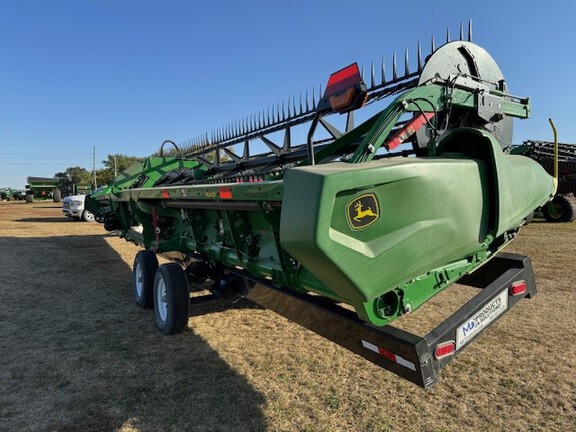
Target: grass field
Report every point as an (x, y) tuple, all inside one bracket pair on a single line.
[(76, 354)]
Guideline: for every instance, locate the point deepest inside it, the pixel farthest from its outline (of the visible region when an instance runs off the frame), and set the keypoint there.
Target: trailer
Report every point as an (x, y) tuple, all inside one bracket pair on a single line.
[(352, 229), (42, 188)]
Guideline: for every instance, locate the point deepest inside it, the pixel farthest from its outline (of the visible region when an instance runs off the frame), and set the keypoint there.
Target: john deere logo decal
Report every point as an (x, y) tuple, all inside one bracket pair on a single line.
[(362, 211)]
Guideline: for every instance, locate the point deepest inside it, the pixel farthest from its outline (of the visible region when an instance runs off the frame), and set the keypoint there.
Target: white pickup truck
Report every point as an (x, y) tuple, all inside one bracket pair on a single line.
[(73, 207)]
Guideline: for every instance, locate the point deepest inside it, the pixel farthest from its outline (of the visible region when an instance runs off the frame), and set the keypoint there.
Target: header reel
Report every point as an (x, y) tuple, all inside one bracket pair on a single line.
[(456, 64)]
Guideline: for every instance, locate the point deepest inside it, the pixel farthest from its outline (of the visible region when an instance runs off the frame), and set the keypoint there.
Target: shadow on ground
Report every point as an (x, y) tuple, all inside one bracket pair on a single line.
[(47, 219), (78, 355)]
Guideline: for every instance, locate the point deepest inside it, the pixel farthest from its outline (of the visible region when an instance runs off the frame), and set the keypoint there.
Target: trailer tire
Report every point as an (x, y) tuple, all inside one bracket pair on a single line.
[(144, 271), (29, 197), (560, 209), (57, 196), (171, 299)]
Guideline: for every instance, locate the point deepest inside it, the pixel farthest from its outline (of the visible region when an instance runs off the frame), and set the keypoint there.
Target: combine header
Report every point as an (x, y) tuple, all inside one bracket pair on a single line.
[(347, 232)]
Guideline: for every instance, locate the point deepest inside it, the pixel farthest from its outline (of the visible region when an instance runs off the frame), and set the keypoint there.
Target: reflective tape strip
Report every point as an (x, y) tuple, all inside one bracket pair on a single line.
[(389, 355)]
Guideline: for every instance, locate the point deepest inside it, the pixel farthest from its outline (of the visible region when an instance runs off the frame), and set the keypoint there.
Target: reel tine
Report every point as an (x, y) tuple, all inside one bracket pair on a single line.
[(448, 35), (461, 31), (406, 63), (372, 83), (419, 57), (313, 97), (383, 72), (470, 30), (394, 72), (433, 45)]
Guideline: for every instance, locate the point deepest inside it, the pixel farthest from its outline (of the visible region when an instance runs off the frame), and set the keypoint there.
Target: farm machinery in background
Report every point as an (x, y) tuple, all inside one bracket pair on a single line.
[(563, 207), (9, 194), (42, 188), (351, 229)]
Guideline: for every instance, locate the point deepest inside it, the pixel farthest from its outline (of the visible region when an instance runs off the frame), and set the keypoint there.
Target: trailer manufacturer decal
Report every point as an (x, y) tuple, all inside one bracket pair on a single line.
[(492, 310), (362, 211)]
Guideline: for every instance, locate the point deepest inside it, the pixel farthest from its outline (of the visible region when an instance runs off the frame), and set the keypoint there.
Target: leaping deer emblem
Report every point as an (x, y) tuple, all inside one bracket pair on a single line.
[(361, 214)]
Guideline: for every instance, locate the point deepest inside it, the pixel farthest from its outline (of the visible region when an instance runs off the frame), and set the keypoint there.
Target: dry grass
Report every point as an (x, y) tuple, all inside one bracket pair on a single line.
[(77, 355)]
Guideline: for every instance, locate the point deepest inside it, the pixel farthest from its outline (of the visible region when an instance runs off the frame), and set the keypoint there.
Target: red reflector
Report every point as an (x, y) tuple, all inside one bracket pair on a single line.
[(165, 194), (225, 193), (387, 354), (518, 288), (444, 349), (341, 80)]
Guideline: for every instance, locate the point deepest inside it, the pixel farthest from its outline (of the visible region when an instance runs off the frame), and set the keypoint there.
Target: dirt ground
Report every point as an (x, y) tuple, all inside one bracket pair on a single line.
[(76, 353)]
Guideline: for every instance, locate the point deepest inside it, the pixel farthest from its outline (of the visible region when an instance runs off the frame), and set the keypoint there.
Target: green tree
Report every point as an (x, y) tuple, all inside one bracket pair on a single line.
[(70, 177), (114, 164)]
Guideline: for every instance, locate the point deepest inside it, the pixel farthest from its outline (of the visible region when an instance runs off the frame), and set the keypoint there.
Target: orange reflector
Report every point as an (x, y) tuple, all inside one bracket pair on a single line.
[(341, 101), (518, 288), (165, 194), (444, 349)]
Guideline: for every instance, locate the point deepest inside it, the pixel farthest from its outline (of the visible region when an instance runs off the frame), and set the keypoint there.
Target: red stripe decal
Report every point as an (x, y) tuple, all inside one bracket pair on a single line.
[(408, 130)]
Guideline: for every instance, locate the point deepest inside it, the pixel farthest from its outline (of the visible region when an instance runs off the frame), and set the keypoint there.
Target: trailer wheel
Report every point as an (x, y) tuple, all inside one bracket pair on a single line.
[(560, 209), (171, 299), (144, 270), (57, 196)]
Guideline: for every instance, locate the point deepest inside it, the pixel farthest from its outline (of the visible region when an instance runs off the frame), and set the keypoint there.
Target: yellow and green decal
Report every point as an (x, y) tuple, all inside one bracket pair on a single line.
[(362, 211)]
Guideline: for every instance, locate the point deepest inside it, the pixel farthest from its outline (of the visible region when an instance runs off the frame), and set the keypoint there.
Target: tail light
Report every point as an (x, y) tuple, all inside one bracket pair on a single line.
[(444, 349), (518, 288)]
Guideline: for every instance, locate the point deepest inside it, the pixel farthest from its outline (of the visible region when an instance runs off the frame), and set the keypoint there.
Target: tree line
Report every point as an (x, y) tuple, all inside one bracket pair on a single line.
[(79, 176)]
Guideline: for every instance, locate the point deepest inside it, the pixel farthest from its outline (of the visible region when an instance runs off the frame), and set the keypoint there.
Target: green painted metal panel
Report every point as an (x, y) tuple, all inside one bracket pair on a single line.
[(421, 209)]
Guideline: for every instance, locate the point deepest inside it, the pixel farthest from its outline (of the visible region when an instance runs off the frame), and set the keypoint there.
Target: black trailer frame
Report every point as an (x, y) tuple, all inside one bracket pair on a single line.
[(415, 358)]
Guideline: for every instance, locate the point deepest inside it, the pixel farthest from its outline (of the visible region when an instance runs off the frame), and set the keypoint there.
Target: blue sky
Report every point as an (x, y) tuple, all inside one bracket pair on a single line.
[(122, 76)]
